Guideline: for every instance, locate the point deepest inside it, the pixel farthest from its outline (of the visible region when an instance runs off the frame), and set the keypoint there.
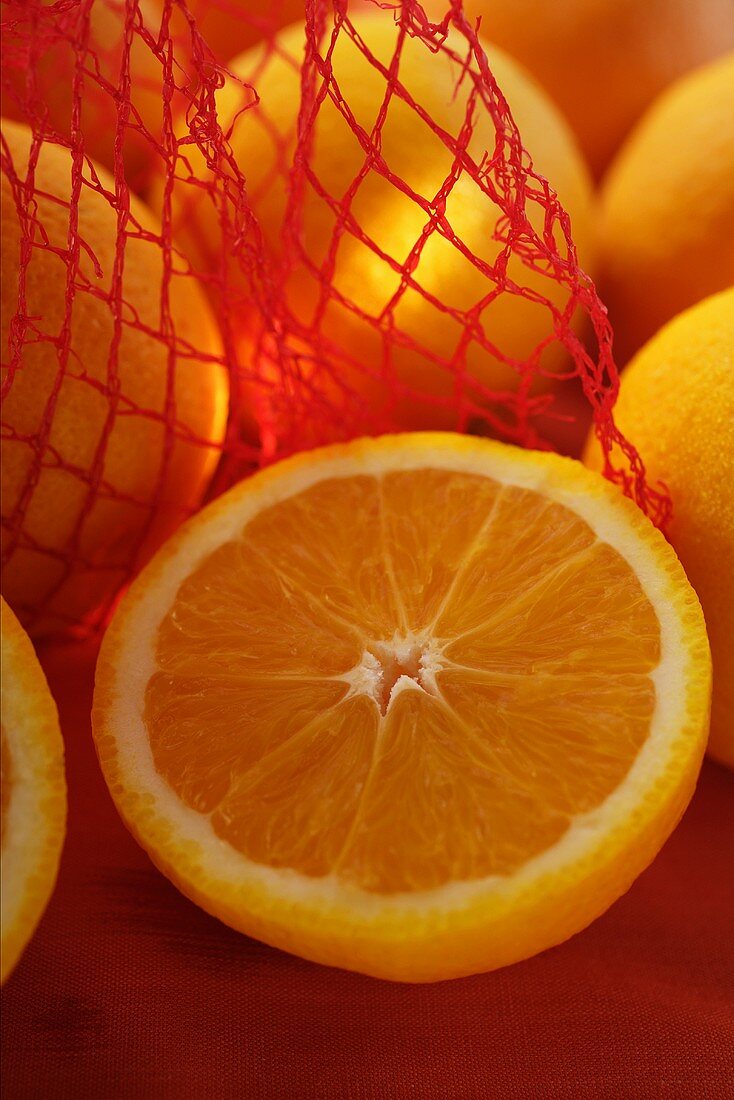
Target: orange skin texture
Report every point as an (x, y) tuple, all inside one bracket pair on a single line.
[(668, 207), (676, 404), (52, 502), (604, 61)]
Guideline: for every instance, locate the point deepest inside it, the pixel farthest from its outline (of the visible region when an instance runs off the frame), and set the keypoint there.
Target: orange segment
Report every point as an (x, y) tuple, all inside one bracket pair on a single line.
[(524, 541), (347, 577), (564, 745), (577, 618), (379, 681), (192, 727), (217, 623), (295, 807), (439, 808), (431, 518)]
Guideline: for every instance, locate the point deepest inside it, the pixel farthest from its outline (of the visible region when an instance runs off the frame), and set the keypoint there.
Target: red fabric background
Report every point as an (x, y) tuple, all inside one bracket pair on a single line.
[(128, 990)]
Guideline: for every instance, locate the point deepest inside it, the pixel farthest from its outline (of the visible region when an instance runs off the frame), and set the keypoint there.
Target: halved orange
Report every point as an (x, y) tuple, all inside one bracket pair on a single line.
[(418, 706), (33, 790)]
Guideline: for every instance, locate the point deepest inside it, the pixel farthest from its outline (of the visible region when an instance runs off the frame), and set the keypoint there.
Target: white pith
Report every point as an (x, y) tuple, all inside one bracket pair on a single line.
[(228, 867), (418, 658)]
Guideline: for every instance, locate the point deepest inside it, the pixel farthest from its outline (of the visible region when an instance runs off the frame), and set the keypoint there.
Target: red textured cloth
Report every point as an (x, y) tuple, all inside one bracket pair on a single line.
[(129, 990)]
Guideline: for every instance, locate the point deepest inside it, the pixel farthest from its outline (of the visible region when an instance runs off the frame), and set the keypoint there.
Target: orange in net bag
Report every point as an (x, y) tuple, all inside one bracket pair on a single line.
[(342, 233)]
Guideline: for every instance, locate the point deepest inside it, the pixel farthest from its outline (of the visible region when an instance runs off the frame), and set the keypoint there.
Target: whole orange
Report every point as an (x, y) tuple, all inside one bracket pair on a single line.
[(676, 404), (361, 253), (668, 207), (604, 61), (109, 433)]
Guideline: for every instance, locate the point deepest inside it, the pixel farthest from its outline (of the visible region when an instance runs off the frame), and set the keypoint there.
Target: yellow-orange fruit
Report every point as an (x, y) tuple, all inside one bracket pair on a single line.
[(418, 706), (604, 61), (668, 207), (99, 438), (33, 787), (368, 283), (101, 70), (676, 404)]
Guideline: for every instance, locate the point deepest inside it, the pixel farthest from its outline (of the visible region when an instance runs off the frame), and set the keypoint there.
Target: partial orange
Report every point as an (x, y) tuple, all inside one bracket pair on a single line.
[(667, 207), (88, 42), (677, 402), (33, 790), (604, 61), (418, 706), (110, 435)]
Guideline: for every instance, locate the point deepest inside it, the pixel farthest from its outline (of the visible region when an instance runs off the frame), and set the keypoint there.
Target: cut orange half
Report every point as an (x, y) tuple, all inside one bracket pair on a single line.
[(33, 790), (418, 706)]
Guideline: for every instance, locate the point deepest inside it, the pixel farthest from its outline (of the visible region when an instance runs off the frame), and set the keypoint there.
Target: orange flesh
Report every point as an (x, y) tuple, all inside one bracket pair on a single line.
[(527, 652)]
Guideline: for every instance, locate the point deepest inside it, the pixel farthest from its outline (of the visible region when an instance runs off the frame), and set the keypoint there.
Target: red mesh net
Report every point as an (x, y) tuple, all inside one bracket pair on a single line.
[(342, 233)]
